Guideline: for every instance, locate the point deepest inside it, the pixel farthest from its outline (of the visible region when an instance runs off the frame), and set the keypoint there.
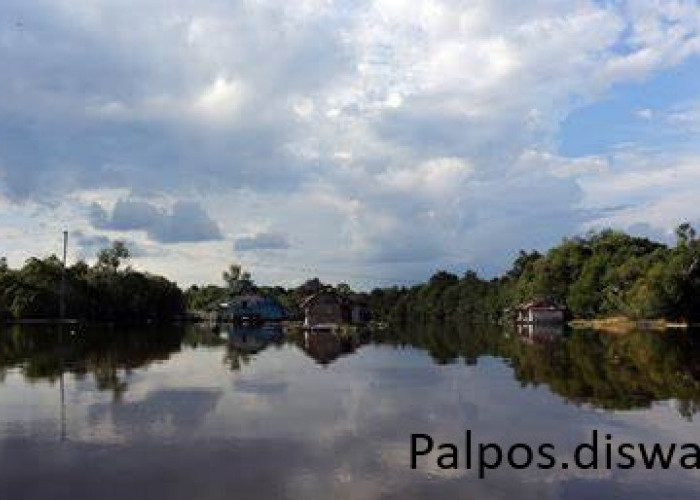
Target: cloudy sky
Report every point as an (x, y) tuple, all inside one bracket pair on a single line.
[(360, 141)]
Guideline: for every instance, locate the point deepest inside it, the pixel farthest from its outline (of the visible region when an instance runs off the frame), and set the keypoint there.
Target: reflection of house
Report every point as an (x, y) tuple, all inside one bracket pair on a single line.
[(324, 347), (327, 346), (540, 311), (252, 340), (328, 309), (251, 307), (540, 333), (245, 342)]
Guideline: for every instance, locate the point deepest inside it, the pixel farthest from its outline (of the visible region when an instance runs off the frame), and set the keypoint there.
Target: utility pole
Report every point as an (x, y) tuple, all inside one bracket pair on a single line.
[(62, 306), (62, 312)]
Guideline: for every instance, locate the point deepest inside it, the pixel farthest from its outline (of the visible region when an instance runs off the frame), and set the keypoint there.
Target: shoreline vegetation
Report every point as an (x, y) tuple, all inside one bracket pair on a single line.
[(606, 280), (621, 324)]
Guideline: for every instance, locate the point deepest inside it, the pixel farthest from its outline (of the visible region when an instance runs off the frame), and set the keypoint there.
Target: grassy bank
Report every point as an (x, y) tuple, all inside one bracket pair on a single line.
[(621, 324)]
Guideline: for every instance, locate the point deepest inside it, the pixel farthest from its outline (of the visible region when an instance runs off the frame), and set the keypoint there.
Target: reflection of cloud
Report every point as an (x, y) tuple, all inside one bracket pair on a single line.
[(260, 387), (169, 412), (283, 426)]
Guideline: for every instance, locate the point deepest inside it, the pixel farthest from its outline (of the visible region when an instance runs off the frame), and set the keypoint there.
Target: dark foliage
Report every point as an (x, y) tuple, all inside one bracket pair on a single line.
[(602, 274), (102, 292)]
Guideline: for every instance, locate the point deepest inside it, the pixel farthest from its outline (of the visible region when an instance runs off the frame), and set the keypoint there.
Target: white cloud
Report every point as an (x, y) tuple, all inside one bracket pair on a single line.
[(686, 117), (437, 177), (393, 131), (644, 114), (221, 99), (657, 193)]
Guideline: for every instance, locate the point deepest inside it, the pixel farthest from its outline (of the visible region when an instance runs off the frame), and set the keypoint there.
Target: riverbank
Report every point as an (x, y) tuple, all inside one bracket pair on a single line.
[(621, 324)]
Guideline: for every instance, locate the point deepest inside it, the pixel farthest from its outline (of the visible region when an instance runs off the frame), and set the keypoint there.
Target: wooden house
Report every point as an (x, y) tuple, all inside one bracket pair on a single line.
[(327, 309), (540, 311)]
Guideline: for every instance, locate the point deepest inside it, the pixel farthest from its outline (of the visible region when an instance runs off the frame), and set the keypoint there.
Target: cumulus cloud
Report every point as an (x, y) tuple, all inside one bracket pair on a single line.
[(90, 241), (89, 244), (686, 117), (185, 222), (262, 241), (655, 193), (420, 131), (127, 215)]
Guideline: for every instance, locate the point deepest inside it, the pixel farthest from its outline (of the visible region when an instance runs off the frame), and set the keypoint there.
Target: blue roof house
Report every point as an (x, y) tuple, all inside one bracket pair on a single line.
[(252, 307)]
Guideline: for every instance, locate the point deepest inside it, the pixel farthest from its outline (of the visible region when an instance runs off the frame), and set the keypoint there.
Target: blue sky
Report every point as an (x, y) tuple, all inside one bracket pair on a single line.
[(620, 117), (363, 141)]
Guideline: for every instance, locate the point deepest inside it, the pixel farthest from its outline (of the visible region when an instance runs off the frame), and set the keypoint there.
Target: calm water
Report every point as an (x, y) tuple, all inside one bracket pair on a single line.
[(190, 414)]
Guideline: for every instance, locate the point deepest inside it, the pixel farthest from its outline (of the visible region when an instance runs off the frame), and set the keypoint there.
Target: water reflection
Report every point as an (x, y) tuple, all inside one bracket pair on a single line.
[(325, 347), (607, 371), (540, 333), (243, 343), (187, 412), (44, 353)]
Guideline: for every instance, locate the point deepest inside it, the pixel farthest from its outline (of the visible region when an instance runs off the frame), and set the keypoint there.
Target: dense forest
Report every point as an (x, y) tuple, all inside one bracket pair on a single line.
[(103, 292), (606, 273)]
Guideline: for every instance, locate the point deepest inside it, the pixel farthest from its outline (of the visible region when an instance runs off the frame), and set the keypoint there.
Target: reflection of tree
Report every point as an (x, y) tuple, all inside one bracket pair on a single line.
[(198, 335), (615, 372), (42, 354), (105, 370), (612, 372), (235, 360), (447, 342), (243, 343)]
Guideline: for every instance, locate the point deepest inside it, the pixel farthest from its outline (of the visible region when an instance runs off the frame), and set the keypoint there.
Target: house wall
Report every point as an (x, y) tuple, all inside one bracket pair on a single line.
[(360, 315), (251, 305), (546, 315), (323, 311)]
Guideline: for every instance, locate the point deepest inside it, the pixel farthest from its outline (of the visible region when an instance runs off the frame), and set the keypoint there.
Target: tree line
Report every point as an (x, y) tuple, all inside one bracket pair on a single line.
[(105, 291), (601, 274), (605, 273)]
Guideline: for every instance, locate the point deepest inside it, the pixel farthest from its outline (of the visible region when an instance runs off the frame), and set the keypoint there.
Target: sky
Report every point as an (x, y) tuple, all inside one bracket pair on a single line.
[(367, 142)]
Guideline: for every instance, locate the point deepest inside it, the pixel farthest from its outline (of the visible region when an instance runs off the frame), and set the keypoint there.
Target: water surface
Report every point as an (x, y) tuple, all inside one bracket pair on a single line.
[(186, 413)]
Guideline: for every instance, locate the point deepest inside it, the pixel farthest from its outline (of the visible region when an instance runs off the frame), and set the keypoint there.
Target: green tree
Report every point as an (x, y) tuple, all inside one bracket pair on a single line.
[(111, 258), (237, 280), (685, 233)]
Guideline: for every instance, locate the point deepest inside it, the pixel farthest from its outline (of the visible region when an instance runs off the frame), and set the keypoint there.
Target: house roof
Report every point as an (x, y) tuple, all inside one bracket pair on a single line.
[(324, 294), (539, 304)]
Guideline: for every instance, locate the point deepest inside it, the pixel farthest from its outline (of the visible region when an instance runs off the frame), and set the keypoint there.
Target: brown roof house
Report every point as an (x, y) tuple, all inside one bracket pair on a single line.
[(327, 309), (540, 311)]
